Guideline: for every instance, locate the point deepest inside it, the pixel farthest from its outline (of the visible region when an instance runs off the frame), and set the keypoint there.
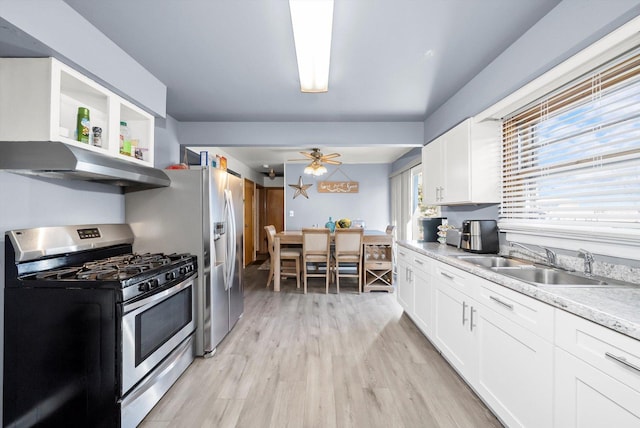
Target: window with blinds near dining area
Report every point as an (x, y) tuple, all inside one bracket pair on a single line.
[(571, 160)]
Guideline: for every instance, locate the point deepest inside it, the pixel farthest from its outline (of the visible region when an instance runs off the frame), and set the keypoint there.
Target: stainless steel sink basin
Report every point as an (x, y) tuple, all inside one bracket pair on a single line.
[(494, 261), (559, 278), (539, 275)]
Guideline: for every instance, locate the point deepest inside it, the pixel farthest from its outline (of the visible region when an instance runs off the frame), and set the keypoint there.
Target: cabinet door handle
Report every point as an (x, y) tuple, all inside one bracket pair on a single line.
[(446, 275), (505, 304), (464, 312), (623, 361), (401, 253), (471, 324), (418, 261)]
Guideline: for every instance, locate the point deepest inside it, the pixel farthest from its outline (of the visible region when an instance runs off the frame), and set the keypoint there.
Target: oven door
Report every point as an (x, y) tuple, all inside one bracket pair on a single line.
[(152, 328)]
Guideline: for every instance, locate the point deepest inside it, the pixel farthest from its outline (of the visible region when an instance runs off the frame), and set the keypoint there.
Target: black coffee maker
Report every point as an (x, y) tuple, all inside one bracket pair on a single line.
[(479, 236), (429, 228)]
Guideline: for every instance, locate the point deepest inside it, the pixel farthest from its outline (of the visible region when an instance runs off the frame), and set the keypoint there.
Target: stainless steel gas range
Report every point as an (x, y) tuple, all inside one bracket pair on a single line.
[(94, 334)]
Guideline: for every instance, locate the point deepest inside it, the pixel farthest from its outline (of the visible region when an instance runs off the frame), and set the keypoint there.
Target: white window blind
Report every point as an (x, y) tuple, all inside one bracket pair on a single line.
[(571, 160)]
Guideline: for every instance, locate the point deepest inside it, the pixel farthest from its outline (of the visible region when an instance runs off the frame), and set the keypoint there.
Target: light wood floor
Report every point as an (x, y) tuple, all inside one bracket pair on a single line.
[(319, 360)]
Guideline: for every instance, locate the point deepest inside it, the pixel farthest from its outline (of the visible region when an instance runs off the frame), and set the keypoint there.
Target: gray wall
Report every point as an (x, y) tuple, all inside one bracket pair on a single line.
[(312, 134), (166, 146), (73, 40), (568, 28), (371, 204), (456, 214)]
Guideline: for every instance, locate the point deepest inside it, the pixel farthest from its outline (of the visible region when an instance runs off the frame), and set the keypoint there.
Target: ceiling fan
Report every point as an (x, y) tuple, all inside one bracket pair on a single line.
[(317, 156), (316, 166)]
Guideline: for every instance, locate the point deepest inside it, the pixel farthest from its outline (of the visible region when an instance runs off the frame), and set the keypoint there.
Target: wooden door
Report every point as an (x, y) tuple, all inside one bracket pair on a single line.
[(275, 207), (261, 210), (249, 221)]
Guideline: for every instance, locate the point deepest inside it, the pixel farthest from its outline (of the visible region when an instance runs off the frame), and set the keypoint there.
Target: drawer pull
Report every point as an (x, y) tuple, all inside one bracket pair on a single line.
[(401, 253), (418, 261), (446, 275), (471, 324), (505, 304), (464, 310), (623, 361)]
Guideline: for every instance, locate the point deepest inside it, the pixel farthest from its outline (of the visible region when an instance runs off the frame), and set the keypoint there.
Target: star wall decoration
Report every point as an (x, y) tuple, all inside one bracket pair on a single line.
[(301, 188)]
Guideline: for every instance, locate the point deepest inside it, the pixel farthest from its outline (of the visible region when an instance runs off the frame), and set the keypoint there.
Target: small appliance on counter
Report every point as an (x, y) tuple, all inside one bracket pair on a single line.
[(479, 236), (453, 237), (429, 228)]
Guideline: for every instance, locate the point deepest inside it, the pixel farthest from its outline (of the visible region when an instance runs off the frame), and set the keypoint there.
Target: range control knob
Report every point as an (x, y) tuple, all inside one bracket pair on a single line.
[(170, 276), (143, 287), (153, 283)]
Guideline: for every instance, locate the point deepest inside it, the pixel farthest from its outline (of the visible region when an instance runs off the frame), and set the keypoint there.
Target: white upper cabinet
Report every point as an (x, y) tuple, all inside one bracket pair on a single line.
[(40, 101), (462, 166)]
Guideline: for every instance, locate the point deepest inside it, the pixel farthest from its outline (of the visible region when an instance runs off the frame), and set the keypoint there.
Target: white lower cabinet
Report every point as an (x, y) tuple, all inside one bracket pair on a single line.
[(405, 285), (423, 293), (515, 370), (452, 332), (597, 376), (534, 365), (496, 349), (588, 398)]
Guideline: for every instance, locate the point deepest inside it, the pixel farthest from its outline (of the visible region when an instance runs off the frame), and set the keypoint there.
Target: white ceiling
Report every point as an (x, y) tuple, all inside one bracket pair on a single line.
[(234, 60)]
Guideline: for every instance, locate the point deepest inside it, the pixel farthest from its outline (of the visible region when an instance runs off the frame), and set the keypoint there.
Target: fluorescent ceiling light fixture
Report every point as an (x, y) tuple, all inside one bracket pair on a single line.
[(312, 21)]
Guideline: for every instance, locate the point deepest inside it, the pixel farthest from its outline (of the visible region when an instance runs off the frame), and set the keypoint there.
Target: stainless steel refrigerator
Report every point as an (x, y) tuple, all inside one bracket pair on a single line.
[(200, 213)]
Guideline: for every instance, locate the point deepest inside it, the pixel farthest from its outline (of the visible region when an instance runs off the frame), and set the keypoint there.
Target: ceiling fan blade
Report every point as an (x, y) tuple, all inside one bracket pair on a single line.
[(332, 162), (331, 155), (309, 155), (297, 160)]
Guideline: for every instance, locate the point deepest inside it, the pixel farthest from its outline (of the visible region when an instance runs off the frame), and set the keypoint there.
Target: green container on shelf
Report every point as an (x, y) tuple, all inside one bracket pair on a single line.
[(83, 125)]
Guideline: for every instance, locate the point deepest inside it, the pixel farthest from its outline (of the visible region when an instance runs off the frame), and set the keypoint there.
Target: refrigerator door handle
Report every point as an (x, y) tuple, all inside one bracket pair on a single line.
[(231, 239)]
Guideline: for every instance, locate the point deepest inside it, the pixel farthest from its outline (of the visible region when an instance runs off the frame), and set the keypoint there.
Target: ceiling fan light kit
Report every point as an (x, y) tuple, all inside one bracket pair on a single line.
[(312, 22), (315, 168)]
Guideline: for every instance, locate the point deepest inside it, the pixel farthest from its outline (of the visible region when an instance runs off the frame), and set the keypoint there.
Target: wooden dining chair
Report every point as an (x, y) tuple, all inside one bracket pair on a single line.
[(391, 230), (316, 249), (347, 253), (286, 254)]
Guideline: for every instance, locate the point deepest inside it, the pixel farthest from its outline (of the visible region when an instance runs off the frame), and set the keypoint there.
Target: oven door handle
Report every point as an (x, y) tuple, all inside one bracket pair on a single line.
[(158, 296)]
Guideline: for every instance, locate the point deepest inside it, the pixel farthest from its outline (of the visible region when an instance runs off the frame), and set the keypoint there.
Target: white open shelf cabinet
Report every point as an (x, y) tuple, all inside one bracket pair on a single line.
[(40, 100)]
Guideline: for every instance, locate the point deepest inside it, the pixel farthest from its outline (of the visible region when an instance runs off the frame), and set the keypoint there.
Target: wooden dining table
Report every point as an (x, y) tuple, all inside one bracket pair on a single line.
[(294, 237)]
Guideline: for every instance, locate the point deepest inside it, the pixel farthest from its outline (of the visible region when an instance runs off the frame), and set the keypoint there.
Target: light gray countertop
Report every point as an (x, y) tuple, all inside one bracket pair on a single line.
[(615, 308)]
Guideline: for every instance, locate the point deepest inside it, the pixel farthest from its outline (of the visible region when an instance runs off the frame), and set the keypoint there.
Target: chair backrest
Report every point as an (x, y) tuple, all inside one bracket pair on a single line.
[(271, 235), (390, 229), (316, 241), (348, 241)]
